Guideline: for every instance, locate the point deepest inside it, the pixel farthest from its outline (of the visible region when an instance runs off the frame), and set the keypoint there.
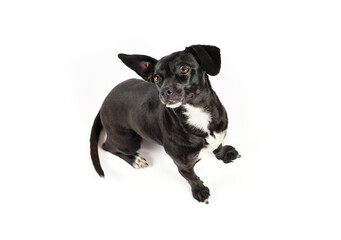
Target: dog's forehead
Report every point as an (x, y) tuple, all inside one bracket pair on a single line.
[(176, 58)]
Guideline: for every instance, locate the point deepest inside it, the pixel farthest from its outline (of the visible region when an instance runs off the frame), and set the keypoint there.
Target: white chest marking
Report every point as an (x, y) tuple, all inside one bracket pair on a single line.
[(199, 118)]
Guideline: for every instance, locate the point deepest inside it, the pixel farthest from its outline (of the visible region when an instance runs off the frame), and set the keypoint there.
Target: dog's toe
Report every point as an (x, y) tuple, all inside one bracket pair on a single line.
[(140, 162)]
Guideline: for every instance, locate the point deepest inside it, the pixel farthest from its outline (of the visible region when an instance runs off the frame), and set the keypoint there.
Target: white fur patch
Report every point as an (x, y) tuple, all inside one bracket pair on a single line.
[(213, 143), (199, 118)]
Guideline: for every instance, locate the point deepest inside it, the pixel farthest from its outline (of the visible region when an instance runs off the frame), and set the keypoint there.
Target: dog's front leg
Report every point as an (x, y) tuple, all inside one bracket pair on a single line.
[(199, 191), (226, 153)]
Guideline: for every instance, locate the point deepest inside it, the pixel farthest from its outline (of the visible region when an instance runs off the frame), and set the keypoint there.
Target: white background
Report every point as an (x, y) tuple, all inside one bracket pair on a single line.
[(279, 83)]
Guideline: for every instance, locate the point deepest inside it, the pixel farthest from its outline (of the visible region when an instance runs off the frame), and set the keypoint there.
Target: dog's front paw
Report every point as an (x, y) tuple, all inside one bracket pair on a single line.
[(227, 154), (201, 194)]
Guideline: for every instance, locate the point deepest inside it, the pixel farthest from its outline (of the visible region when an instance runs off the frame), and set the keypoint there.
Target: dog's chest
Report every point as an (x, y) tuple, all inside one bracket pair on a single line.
[(199, 118)]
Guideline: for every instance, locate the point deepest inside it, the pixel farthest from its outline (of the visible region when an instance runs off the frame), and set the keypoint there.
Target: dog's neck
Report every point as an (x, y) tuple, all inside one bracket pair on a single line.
[(197, 117)]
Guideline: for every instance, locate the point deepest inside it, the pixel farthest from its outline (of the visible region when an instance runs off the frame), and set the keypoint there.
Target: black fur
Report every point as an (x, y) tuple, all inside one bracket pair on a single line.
[(136, 110)]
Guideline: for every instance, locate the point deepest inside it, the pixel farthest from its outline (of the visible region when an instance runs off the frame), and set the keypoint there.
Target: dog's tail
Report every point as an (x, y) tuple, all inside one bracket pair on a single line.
[(95, 131)]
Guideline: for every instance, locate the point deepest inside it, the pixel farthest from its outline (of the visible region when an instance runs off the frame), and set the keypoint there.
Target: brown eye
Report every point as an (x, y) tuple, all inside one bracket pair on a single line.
[(184, 69), (157, 78)]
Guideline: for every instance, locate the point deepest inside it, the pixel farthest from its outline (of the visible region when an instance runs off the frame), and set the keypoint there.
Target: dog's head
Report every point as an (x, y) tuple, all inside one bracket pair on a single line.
[(180, 76)]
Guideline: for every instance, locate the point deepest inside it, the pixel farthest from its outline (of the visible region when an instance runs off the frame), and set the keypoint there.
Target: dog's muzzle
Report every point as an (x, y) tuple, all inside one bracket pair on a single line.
[(171, 98)]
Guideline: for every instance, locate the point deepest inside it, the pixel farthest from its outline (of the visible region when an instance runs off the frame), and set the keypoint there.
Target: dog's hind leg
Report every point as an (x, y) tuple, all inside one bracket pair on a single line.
[(124, 143)]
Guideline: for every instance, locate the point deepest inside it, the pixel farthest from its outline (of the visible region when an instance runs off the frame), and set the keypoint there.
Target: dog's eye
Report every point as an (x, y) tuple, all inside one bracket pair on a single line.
[(184, 69), (157, 78)]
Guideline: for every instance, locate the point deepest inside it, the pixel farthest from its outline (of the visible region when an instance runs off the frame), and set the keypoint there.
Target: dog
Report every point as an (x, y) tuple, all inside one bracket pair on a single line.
[(174, 105)]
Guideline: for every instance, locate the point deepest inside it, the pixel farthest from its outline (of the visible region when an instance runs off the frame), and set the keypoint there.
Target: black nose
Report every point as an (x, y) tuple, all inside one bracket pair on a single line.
[(166, 92)]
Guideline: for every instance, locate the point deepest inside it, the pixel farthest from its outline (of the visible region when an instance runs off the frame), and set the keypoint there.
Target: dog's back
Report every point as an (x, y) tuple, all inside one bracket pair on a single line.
[(133, 104)]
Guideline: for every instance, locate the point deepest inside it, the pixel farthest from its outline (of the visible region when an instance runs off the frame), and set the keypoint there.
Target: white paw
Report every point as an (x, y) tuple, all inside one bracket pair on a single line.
[(140, 162)]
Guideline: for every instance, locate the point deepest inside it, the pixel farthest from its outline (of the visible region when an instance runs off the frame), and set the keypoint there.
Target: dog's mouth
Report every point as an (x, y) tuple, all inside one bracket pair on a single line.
[(175, 103), (172, 103)]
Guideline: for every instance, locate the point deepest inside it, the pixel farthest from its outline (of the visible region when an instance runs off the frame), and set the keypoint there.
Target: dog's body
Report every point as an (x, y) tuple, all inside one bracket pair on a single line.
[(175, 107)]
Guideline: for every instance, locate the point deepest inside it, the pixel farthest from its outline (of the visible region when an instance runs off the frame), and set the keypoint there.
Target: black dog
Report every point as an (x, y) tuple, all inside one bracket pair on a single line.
[(175, 106)]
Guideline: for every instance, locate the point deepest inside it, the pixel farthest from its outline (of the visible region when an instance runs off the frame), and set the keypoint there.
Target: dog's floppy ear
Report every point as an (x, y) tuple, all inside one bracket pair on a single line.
[(141, 64), (208, 57)]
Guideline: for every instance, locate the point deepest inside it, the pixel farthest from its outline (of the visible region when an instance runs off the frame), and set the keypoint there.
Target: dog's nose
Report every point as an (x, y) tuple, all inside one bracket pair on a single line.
[(166, 92)]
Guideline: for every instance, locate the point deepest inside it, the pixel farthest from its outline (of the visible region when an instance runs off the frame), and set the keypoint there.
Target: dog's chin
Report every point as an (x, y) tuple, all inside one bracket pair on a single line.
[(174, 105)]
